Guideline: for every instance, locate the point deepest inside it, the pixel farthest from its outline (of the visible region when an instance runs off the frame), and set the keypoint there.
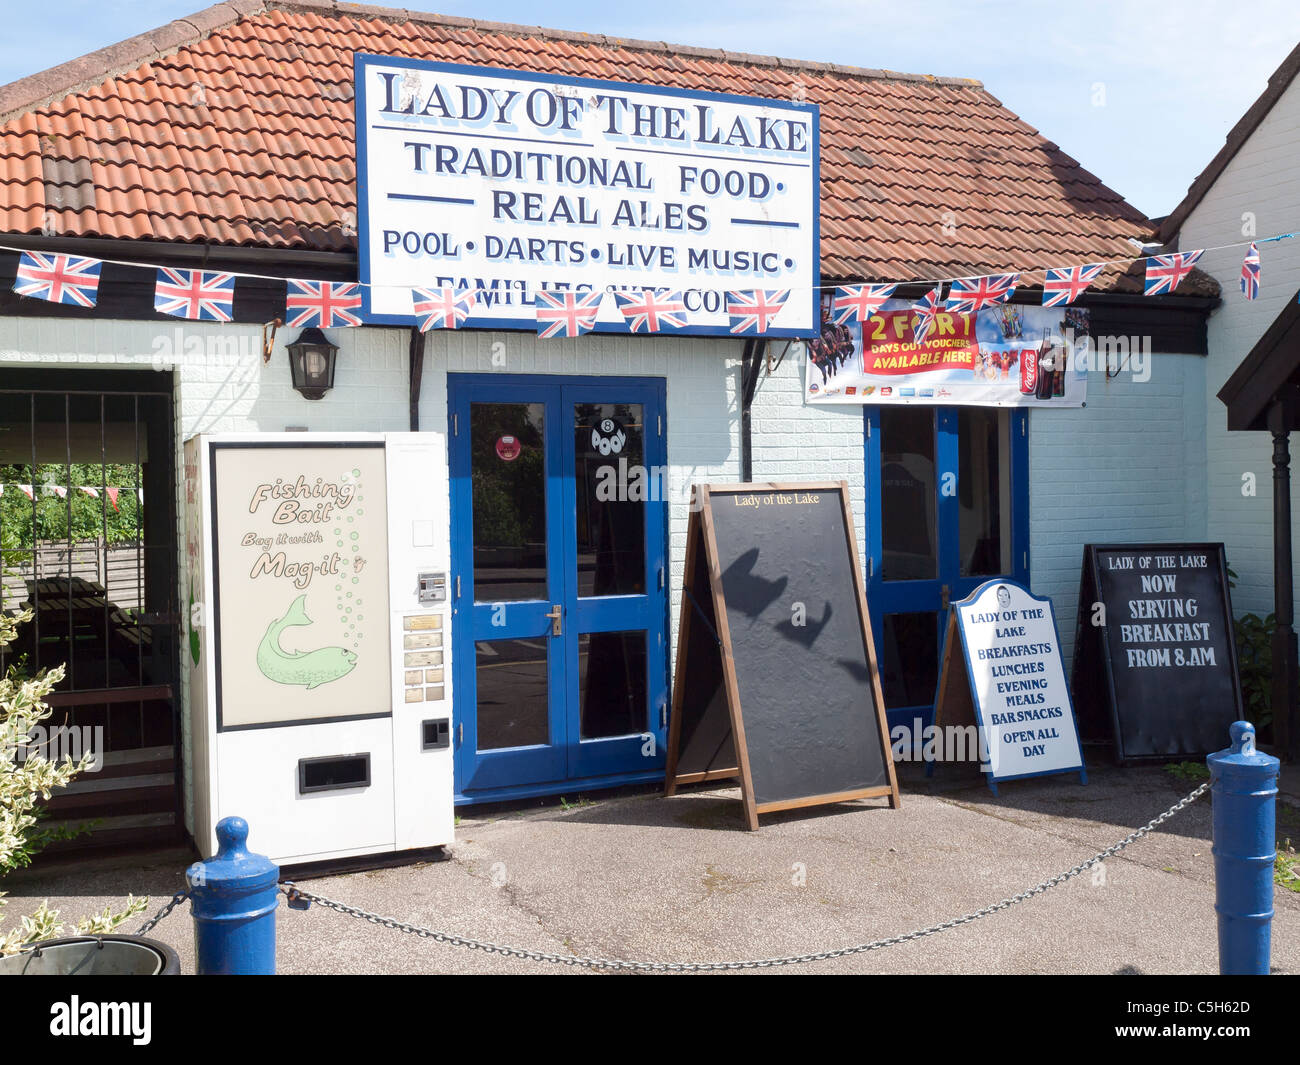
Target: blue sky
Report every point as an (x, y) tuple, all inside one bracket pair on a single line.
[(1141, 94)]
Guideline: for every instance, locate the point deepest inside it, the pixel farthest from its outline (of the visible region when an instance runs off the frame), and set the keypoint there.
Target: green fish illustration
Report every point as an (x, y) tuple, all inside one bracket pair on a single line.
[(312, 668)]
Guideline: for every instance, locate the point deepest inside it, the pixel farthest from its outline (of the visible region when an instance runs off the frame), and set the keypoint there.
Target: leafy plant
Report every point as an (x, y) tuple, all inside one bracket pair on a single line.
[(1286, 867), (1254, 638), (1188, 772), (25, 783), (75, 515)]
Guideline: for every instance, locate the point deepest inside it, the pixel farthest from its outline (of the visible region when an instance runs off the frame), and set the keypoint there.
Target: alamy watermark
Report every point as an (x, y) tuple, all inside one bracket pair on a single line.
[(65, 743), (918, 742)]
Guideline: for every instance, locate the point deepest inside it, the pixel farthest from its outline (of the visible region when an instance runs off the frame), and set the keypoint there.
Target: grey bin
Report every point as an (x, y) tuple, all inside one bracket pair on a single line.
[(94, 956)]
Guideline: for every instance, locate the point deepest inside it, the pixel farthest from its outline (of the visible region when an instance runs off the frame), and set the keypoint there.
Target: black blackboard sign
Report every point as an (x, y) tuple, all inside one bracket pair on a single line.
[(776, 679), (1155, 661)]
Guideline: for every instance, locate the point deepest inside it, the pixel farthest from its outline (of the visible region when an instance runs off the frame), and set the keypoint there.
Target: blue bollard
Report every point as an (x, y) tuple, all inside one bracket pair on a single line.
[(234, 899), (1244, 789)]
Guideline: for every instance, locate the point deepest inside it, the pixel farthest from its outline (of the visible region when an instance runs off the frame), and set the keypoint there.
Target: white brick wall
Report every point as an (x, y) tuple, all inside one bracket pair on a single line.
[(796, 442), (1260, 180), (1128, 467)]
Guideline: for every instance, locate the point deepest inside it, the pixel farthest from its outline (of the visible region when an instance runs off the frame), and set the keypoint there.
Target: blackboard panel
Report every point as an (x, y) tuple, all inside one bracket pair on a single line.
[(806, 691), (1088, 675), (1168, 647), (705, 743)]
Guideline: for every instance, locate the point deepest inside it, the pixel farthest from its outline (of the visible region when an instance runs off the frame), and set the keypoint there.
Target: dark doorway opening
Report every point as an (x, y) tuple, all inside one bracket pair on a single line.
[(88, 546)]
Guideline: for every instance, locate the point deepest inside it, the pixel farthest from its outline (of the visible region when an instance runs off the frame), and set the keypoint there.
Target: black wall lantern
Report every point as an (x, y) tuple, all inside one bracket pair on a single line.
[(311, 361)]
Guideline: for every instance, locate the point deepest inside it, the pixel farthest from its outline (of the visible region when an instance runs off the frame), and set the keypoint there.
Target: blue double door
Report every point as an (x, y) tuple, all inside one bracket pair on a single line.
[(559, 625), (947, 510)]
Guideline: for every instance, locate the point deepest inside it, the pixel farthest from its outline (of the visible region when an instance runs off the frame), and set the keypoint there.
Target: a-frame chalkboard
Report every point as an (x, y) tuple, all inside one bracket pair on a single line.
[(776, 681), (1155, 657)]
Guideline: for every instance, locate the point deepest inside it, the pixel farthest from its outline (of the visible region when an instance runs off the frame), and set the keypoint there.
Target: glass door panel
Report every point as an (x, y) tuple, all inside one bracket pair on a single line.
[(512, 693), (909, 657), (609, 465), (612, 693), (618, 531), (984, 491), (505, 451), (908, 489), (509, 491)]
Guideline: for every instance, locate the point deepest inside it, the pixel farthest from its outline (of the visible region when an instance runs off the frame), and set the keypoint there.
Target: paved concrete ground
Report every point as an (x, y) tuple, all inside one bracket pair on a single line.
[(634, 875)]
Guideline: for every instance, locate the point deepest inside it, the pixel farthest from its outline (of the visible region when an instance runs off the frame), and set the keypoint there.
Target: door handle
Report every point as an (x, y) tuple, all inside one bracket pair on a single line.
[(944, 589), (556, 615)]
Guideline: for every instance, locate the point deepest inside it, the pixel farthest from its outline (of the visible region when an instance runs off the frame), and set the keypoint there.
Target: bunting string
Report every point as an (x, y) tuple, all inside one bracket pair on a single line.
[(61, 490), (201, 295)]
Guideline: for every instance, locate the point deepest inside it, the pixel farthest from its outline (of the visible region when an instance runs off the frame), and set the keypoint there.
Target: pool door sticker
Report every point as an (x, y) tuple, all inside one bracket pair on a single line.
[(301, 559)]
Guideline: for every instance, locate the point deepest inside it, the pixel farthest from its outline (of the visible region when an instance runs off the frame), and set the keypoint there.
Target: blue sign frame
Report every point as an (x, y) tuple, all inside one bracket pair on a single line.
[(363, 61)]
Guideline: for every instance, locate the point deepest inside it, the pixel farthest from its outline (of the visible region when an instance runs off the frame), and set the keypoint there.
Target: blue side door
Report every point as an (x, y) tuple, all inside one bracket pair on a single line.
[(947, 509), (559, 528)]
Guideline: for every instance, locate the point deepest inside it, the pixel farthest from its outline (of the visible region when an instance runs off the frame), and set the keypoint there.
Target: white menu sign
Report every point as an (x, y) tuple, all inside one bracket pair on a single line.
[(1017, 681)]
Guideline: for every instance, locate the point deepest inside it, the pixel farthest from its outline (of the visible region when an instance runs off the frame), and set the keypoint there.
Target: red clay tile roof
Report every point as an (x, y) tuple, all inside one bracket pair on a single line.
[(235, 126)]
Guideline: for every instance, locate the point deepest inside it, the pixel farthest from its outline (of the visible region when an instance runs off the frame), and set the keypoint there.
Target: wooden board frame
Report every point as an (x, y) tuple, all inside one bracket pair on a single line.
[(701, 535)]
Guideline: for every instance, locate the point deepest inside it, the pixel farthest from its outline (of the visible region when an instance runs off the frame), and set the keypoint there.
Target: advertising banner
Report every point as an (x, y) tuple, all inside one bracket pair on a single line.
[(301, 575), (1010, 355), (510, 183)]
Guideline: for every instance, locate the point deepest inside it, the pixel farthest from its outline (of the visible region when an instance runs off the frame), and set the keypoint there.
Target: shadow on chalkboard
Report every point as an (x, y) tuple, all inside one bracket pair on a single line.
[(751, 594), (857, 670), (806, 634)]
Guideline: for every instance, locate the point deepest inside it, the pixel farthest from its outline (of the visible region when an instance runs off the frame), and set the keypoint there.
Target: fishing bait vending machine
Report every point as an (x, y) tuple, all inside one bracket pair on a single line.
[(318, 648)]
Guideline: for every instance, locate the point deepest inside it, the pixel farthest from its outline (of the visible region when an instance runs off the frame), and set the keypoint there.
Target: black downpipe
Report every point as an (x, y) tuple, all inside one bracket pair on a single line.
[(416, 351), (751, 363)]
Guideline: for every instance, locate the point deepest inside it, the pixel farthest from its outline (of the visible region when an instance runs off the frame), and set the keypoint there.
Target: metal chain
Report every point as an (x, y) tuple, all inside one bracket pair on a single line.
[(167, 908), (296, 893)]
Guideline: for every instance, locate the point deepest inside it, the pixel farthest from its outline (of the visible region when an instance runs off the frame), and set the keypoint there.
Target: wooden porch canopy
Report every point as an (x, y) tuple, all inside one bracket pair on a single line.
[(1263, 395), (1269, 375)]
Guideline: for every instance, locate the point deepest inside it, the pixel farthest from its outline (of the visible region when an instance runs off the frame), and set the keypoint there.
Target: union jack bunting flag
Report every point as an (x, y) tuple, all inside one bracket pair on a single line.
[(857, 303), (58, 278), (1250, 273), (925, 309), (1164, 272), (443, 308), (323, 304), (971, 294), (650, 312), (1067, 283), (751, 313), (194, 294), (566, 314)]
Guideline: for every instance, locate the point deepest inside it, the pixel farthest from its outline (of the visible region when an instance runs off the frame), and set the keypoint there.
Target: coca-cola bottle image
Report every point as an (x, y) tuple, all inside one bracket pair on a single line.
[(1058, 374), (1029, 370), (1046, 369)]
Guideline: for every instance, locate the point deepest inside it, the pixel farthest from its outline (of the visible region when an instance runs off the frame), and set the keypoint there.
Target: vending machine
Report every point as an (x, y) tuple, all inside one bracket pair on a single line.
[(318, 641)]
